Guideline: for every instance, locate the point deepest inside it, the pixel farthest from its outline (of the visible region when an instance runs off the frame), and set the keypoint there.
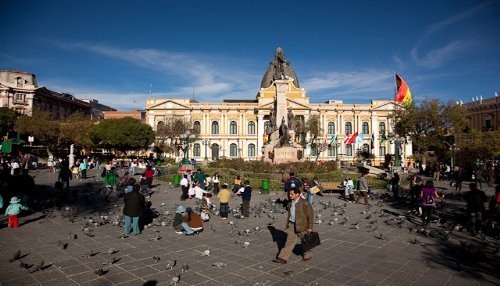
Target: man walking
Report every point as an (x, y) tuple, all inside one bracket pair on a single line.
[(300, 221)]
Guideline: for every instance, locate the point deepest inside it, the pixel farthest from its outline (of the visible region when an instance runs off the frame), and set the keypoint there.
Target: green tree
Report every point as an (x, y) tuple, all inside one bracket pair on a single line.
[(311, 127), (170, 133), (8, 119), (122, 134)]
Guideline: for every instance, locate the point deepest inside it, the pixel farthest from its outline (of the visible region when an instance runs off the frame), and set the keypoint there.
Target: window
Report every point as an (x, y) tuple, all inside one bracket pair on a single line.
[(215, 127), (366, 148), (331, 128), (233, 150), (233, 128), (160, 125), (331, 150), (366, 129), (251, 150), (197, 127), (382, 151), (381, 128), (19, 96), (267, 124), (348, 128), (348, 150), (251, 128), (196, 150)]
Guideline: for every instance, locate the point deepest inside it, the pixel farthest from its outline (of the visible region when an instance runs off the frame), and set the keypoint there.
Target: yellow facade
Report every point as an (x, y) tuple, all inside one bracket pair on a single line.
[(235, 129)]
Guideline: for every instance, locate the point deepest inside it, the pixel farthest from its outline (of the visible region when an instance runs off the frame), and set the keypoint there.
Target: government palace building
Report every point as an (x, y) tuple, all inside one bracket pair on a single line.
[(237, 128)]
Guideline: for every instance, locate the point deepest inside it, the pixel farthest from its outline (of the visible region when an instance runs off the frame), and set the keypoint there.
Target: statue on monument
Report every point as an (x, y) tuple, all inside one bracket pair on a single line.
[(284, 138), (279, 69), (291, 120)]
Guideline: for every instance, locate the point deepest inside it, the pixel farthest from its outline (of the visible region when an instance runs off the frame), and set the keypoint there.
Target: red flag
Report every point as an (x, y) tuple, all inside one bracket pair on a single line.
[(353, 138), (347, 138)]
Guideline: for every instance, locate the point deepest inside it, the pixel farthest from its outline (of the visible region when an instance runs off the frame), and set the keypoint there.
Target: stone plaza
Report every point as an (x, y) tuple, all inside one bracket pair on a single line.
[(381, 245)]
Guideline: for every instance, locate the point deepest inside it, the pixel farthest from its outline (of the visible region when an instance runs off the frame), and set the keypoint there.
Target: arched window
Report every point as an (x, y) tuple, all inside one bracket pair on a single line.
[(196, 150), (267, 124), (348, 150), (251, 128), (251, 150), (348, 128), (160, 125), (331, 128), (381, 128), (215, 128), (233, 150), (366, 129), (197, 127), (366, 148), (233, 128)]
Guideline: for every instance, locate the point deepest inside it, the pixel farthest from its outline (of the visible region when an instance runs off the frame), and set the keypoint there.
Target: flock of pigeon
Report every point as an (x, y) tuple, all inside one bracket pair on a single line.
[(330, 214)]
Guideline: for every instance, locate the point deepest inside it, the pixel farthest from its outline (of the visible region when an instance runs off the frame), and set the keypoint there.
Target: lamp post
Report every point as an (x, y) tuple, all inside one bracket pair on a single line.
[(187, 137), (453, 147), (206, 143), (336, 144)]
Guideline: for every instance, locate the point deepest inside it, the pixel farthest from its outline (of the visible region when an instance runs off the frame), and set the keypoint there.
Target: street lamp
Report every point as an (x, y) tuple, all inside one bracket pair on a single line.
[(206, 143), (453, 147), (186, 137), (336, 144)]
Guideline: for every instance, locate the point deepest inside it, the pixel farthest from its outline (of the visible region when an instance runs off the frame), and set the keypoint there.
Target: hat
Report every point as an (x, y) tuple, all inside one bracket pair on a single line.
[(189, 210), (14, 200), (180, 209)]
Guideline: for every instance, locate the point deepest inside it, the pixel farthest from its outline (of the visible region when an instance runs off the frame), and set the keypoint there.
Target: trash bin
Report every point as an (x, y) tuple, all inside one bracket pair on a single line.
[(265, 186), (176, 180)]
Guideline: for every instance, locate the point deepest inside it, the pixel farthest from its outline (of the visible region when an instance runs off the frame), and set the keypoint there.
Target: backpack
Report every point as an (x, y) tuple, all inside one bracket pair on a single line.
[(429, 200)]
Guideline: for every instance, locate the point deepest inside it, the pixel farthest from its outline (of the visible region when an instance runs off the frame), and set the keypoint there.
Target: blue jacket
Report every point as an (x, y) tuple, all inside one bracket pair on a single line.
[(15, 209), (247, 194), (291, 183)]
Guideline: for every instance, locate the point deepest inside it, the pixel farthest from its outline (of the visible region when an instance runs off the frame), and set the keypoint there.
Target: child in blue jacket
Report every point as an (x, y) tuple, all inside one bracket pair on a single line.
[(13, 210)]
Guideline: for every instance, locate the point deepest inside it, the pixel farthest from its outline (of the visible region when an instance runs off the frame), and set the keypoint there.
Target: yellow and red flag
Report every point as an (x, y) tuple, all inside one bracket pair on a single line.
[(403, 94)]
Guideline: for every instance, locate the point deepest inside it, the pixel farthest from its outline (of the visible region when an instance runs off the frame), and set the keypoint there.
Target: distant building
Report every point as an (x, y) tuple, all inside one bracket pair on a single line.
[(237, 128), (97, 109), (19, 91), (136, 114), (484, 114)]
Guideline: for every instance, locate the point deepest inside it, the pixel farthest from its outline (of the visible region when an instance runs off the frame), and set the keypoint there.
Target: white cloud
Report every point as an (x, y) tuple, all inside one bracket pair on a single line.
[(441, 56)]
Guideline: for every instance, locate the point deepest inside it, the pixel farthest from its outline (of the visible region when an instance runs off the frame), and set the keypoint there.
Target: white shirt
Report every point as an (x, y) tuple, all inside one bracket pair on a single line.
[(198, 192), (184, 182)]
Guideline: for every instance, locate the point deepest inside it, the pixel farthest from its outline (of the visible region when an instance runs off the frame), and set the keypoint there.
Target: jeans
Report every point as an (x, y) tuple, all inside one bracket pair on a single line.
[(186, 228), (134, 221), (474, 223), (132, 171), (310, 197)]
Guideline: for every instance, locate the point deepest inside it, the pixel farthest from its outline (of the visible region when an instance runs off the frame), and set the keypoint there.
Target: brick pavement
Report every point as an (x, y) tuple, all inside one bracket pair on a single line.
[(347, 256)]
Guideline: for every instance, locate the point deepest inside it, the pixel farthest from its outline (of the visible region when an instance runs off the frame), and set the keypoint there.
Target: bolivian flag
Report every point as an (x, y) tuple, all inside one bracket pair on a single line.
[(403, 94)]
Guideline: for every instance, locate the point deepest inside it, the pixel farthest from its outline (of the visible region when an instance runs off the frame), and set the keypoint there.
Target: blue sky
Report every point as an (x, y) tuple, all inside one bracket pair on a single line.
[(121, 52)]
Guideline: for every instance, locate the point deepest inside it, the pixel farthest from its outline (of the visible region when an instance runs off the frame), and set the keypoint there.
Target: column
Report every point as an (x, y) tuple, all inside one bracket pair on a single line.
[(376, 136), (260, 135)]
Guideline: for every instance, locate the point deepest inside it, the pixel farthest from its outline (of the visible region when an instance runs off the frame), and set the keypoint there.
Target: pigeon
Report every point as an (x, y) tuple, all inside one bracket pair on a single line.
[(288, 272), (416, 242), (212, 228), (99, 271), (62, 245), (90, 254), (38, 267), (73, 236), (246, 244), (380, 236), (155, 238), (113, 260), (263, 283), (24, 265), (219, 264), (15, 256), (184, 268), (156, 258), (112, 251), (170, 264), (206, 252), (175, 279)]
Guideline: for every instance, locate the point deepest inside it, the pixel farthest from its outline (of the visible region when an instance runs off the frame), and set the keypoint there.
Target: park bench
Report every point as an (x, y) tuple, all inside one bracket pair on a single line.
[(331, 187)]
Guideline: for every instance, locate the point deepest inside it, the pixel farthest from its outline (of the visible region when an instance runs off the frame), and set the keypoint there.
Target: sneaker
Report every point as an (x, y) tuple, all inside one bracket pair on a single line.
[(179, 232)]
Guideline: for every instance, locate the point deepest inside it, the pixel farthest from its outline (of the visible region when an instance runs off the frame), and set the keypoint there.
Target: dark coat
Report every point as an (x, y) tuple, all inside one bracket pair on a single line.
[(475, 201), (134, 204)]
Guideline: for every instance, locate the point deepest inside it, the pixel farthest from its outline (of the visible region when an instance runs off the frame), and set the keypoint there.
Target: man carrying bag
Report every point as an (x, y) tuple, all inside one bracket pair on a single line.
[(299, 223)]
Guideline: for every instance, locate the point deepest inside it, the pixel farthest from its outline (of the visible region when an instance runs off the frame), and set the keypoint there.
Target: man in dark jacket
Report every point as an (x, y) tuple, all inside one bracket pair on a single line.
[(475, 199), (300, 221), (246, 195), (292, 182), (134, 206)]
